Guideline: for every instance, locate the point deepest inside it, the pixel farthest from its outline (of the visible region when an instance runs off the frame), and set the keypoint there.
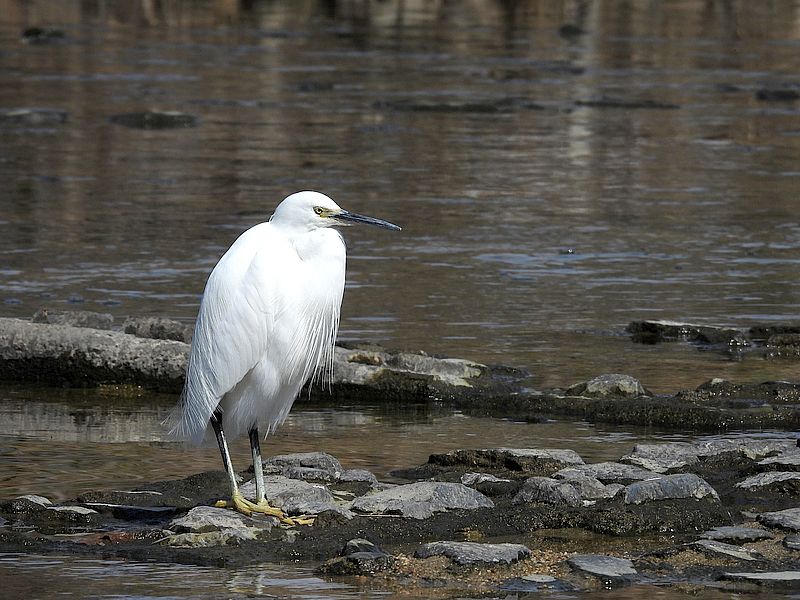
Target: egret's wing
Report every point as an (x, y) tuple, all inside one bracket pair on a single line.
[(237, 315)]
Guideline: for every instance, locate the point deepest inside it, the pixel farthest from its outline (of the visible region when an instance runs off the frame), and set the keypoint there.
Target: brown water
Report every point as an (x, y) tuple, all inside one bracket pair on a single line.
[(531, 236)]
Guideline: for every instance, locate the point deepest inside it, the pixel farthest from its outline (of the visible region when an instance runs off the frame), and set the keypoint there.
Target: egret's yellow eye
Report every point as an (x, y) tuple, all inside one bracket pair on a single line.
[(319, 210)]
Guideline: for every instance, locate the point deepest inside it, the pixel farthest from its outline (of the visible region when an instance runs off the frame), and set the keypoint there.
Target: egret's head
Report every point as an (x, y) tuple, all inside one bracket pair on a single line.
[(313, 210)]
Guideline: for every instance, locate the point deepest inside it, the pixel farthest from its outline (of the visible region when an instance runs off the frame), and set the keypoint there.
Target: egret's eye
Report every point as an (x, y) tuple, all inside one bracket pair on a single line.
[(319, 210)]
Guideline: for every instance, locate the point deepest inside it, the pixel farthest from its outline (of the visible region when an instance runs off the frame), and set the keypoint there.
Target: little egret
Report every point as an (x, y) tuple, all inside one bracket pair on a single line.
[(268, 320)]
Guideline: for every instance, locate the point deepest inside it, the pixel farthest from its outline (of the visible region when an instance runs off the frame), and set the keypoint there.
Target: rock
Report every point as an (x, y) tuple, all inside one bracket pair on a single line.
[(677, 455), (42, 35), (473, 553), (777, 95), (473, 479), (792, 542), (789, 460), (670, 487), (588, 488), (33, 117), (158, 328), (550, 491), (502, 105), (767, 577), (535, 582), (527, 460), (652, 332), (156, 120), (294, 497), (606, 102), (736, 534), (421, 500), (202, 519), (610, 569), (75, 318), (784, 519), (77, 510), (776, 482), (357, 476), (358, 557), (34, 499), (611, 385), (322, 465), (608, 472), (717, 548), (223, 537), (570, 30)]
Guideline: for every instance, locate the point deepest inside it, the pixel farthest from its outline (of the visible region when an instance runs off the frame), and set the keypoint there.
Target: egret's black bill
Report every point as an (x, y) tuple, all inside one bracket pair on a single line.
[(347, 218)]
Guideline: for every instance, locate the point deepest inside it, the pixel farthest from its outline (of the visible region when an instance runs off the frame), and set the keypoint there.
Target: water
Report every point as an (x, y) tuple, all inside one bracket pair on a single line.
[(531, 235)]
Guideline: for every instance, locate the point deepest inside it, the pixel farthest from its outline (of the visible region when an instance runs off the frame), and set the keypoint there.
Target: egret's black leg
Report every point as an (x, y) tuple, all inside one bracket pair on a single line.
[(216, 425), (258, 469)]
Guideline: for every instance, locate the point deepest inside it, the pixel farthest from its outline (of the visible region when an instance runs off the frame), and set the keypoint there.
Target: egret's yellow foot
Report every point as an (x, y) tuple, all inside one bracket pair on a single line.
[(241, 504)]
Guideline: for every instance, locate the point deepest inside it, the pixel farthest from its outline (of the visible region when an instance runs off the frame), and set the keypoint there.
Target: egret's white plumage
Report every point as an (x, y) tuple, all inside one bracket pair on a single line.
[(267, 321)]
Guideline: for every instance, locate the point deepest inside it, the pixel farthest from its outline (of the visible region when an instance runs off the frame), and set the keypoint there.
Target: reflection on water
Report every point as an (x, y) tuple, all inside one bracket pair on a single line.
[(528, 234)]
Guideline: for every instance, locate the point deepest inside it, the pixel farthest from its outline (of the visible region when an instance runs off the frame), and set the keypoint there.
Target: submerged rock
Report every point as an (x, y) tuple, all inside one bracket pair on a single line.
[(473, 553), (614, 384), (421, 500), (154, 119)]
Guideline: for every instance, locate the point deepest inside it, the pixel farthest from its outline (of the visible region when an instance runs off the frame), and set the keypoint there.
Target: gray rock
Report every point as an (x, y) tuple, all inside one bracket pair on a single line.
[(359, 545), (717, 548), (472, 479), (308, 473), (313, 460), (203, 519), (670, 487), (786, 460), (74, 318), (784, 519), (158, 328), (608, 568), (609, 472), (358, 557), (34, 499), (155, 119), (609, 385), (33, 117), (774, 481), (541, 461), (766, 577), (589, 488), (293, 496), (421, 500), (473, 553), (792, 542), (223, 537), (536, 582), (736, 534), (77, 510), (549, 491), (357, 475)]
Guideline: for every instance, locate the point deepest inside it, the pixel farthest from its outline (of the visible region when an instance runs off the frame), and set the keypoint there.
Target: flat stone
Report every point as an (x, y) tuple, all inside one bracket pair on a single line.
[(202, 519), (535, 582), (549, 491), (223, 537), (774, 481), (471, 479), (784, 519), (158, 328), (314, 460), (75, 318), (609, 385), (357, 475), (786, 460), (765, 577), (294, 496), (588, 488), (609, 472), (670, 487), (541, 461), (736, 534), (474, 553), (78, 510), (792, 542), (308, 474), (609, 568), (34, 499), (422, 499), (717, 548)]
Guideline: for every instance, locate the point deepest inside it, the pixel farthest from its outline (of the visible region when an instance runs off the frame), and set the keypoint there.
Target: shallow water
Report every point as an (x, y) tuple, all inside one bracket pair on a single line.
[(532, 235)]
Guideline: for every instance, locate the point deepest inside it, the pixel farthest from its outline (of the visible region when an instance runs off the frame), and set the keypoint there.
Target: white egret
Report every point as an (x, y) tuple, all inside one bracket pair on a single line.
[(268, 319)]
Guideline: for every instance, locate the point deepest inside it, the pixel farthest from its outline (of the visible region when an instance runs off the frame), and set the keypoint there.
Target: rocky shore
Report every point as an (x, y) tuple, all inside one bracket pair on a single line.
[(470, 521)]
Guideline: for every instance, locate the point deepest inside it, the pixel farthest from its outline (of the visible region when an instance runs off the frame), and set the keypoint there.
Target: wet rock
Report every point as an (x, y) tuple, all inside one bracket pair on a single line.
[(307, 465), (421, 500), (358, 557), (358, 476), (294, 497), (570, 30), (588, 487), (678, 455), (669, 487), (610, 385), (775, 482), (33, 117), (653, 332), (74, 510), (610, 569), (717, 548), (536, 582), (777, 95), (526, 460), (784, 519), (608, 472), (792, 542), (75, 318), (27, 503), (473, 553), (156, 120), (502, 105), (42, 35), (784, 461), (203, 519), (550, 491), (766, 577), (223, 537), (737, 534), (607, 102), (473, 479), (158, 328)]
